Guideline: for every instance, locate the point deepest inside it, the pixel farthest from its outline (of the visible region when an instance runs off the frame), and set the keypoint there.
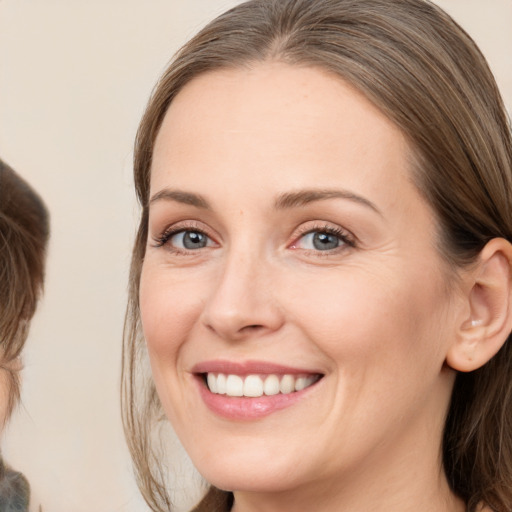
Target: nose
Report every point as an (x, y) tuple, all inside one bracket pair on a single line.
[(242, 303)]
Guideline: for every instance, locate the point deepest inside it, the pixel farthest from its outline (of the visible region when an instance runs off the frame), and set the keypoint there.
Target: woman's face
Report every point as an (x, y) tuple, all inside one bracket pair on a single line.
[(291, 259)]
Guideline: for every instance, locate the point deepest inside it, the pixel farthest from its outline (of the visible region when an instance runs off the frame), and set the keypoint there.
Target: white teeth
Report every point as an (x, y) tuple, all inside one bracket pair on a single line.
[(221, 384), (300, 383), (212, 383), (234, 386), (271, 386), (304, 382), (255, 386), (287, 384)]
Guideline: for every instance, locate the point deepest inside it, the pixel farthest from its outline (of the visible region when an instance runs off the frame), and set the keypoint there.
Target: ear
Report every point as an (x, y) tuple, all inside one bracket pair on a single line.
[(487, 320)]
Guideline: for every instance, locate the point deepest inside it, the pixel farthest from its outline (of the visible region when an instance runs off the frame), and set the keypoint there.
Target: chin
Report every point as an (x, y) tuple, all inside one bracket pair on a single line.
[(252, 470), (249, 478)]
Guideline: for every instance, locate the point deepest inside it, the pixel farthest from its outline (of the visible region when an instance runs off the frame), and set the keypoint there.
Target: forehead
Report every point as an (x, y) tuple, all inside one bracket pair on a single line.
[(273, 123)]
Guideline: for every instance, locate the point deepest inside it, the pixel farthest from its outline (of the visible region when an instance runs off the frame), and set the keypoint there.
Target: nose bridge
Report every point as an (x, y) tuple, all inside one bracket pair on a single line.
[(241, 301)]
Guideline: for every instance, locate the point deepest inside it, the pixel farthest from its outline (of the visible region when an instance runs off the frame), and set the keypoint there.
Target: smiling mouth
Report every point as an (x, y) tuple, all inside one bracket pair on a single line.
[(255, 386)]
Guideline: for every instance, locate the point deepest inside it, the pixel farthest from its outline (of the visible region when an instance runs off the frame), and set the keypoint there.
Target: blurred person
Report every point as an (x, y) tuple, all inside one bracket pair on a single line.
[(24, 233)]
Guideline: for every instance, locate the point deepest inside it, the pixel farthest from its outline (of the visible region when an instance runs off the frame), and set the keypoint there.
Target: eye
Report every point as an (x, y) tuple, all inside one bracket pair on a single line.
[(189, 240), (184, 240), (320, 241), (323, 239)]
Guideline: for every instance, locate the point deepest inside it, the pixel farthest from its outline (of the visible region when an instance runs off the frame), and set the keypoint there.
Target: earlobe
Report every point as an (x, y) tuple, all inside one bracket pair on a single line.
[(488, 322)]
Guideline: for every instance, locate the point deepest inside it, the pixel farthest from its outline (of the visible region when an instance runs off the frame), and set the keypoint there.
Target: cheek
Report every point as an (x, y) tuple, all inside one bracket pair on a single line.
[(363, 320), (169, 310), (384, 341)]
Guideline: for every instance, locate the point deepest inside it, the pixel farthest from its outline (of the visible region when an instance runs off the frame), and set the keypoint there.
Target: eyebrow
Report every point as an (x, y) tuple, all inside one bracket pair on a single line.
[(284, 201), (180, 196), (304, 197)]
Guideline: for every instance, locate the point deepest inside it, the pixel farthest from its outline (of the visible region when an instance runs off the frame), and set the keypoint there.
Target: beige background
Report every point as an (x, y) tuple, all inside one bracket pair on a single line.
[(74, 79)]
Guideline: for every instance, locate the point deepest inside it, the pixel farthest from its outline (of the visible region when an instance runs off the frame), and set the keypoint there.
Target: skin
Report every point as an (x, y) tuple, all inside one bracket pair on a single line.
[(374, 317)]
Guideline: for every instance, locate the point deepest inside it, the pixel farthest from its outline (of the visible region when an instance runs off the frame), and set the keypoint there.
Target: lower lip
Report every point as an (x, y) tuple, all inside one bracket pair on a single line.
[(244, 408)]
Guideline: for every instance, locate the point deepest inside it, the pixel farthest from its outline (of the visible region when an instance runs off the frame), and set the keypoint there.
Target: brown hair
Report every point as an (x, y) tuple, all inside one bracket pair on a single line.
[(426, 74), (24, 232)]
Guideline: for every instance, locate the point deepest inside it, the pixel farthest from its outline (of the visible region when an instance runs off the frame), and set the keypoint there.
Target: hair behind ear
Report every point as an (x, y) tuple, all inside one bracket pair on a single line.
[(477, 445), (478, 433), (215, 500)]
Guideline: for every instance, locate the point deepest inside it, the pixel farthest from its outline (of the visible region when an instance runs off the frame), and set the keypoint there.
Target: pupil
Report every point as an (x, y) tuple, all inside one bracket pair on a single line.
[(194, 240), (325, 241)]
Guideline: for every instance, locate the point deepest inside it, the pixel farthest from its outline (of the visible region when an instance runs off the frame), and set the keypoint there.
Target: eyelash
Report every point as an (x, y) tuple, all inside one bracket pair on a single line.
[(346, 238), (168, 233)]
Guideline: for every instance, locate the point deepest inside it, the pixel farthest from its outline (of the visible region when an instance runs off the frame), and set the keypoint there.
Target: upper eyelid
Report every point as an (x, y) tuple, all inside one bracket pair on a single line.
[(185, 225), (312, 226)]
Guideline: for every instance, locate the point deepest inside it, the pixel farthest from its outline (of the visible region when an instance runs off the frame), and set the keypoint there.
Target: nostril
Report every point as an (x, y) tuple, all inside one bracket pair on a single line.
[(253, 327), (244, 329)]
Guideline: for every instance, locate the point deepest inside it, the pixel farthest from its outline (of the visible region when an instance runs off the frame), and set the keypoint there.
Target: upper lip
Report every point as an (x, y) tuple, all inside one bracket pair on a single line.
[(248, 368)]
